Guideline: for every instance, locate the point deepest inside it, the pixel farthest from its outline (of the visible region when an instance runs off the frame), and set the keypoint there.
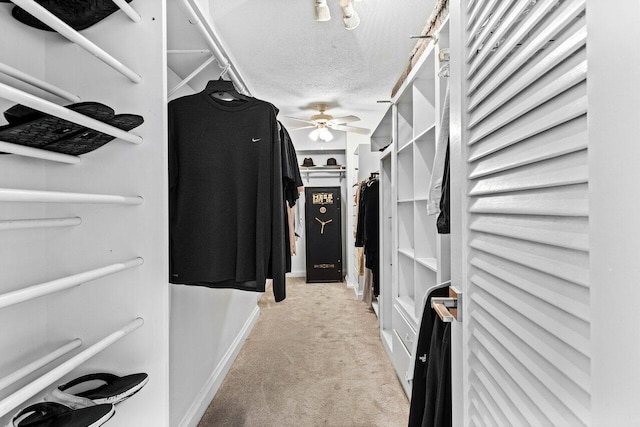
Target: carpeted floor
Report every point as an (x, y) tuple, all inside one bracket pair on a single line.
[(315, 359)]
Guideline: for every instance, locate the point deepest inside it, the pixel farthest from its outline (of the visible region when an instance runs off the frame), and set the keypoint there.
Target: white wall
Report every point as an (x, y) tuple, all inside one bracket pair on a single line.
[(207, 329), (614, 96)]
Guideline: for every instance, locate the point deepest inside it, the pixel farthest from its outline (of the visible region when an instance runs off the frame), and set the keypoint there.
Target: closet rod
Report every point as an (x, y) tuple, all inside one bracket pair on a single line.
[(37, 153), (40, 84), (128, 10), (18, 195), (24, 98), (72, 35), (192, 75), (16, 224), (209, 35), (189, 51), (37, 364), (449, 309), (57, 285), (31, 389)]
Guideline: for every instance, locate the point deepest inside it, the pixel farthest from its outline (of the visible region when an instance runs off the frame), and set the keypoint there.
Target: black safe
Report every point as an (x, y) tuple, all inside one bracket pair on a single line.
[(323, 219)]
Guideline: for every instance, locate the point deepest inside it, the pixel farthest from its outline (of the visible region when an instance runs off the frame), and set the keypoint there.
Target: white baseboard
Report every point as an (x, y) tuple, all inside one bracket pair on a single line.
[(299, 273), (210, 388), (356, 289)]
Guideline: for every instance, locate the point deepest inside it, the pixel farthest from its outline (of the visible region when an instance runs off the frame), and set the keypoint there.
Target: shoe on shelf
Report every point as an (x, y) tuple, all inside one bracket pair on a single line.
[(97, 388), (53, 414)]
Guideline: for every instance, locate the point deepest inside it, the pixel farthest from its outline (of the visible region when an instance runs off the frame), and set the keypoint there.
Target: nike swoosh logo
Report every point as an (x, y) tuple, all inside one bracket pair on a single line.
[(255, 140)]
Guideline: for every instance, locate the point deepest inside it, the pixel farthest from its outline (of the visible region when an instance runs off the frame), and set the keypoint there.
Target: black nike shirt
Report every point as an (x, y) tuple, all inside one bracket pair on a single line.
[(226, 202)]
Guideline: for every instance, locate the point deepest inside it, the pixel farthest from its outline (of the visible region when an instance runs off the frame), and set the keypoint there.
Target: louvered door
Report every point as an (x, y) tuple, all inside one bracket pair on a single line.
[(526, 341)]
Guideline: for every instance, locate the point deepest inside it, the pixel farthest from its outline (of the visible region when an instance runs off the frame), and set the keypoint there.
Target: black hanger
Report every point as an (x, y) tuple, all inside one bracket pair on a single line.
[(223, 89)]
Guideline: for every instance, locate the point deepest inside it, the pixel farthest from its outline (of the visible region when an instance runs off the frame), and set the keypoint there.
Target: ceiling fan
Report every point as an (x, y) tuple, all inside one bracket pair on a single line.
[(323, 122)]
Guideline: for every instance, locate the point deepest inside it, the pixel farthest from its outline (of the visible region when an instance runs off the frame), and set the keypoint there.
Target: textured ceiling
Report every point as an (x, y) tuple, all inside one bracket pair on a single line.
[(294, 62)]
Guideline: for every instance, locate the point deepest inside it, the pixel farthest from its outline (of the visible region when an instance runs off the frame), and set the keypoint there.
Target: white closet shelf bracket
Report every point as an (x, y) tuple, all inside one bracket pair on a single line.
[(192, 75), (72, 35), (35, 82), (35, 196), (37, 153), (31, 389), (37, 364), (57, 285), (24, 98), (448, 309), (17, 224), (128, 10)]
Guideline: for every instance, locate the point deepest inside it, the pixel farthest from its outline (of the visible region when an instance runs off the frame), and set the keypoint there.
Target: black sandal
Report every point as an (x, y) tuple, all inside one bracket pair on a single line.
[(78, 14), (37, 129), (87, 140), (53, 414)]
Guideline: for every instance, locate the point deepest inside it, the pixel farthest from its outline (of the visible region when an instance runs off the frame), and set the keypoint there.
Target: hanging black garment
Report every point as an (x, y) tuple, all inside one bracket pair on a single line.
[(372, 232), (445, 205), (290, 168), (361, 211), (226, 208), (291, 180), (423, 351), (437, 401)]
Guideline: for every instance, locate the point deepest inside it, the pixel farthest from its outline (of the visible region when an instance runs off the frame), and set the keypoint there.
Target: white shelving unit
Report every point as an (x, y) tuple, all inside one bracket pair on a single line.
[(84, 238), (414, 256)]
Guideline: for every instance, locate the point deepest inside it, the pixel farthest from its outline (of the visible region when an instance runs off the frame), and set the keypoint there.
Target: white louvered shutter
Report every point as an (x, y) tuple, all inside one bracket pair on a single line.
[(527, 331)]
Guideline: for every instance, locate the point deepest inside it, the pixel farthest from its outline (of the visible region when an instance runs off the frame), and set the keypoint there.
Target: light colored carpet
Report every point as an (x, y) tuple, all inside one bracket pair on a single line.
[(315, 359)]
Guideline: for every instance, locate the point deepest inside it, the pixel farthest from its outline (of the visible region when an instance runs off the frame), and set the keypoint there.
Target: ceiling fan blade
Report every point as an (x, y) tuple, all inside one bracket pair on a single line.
[(361, 131), (300, 120), (345, 119), (303, 127)]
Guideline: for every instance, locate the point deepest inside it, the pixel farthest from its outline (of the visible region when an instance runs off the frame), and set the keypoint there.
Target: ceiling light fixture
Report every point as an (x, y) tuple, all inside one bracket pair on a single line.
[(321, 133), (322, 11), (349, 15)]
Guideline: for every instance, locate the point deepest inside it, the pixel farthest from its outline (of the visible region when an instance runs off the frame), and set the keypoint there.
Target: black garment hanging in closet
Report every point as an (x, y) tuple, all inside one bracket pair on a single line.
[(368, 229), (226, 208), (442, 223), (291, 180), (431, 372)]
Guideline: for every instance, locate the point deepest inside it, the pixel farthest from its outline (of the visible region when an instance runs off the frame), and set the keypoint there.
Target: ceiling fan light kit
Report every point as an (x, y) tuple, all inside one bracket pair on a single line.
[(323, 122), (321, 133), (322, 11)]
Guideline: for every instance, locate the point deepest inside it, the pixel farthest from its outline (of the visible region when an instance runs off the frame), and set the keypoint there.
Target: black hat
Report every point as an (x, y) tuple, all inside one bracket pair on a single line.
[(308, 161), (332, 162), (78, 14)]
